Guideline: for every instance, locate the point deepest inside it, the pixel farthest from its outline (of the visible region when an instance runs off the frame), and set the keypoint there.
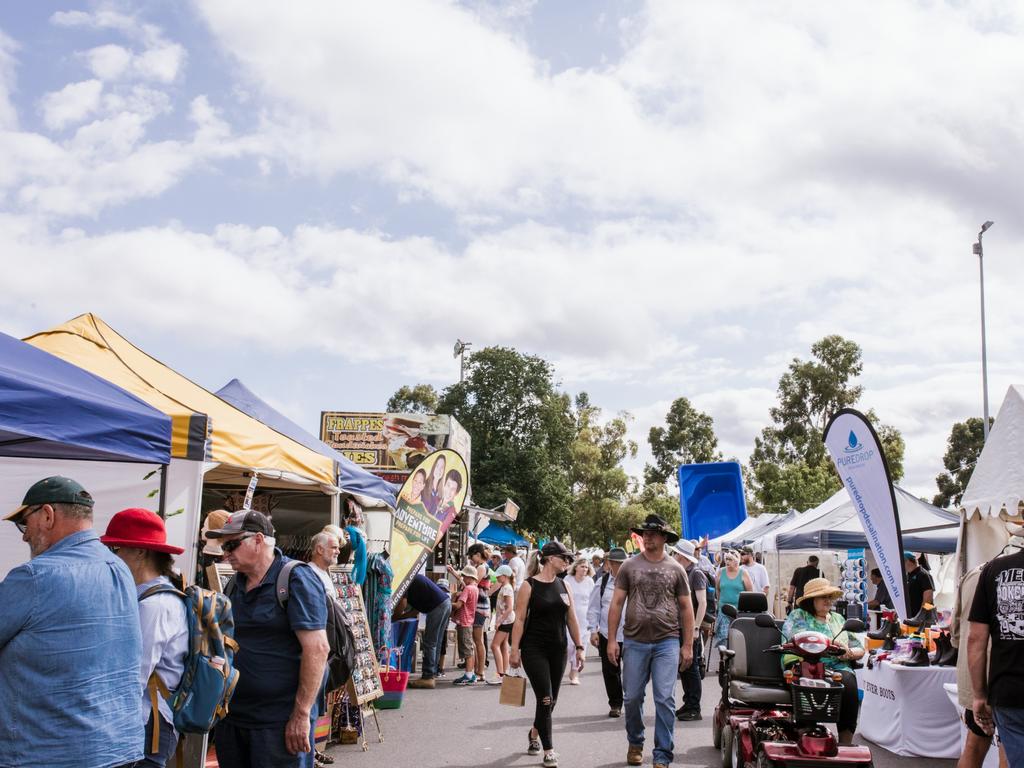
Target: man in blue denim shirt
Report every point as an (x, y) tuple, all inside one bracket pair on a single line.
[(70, 641)]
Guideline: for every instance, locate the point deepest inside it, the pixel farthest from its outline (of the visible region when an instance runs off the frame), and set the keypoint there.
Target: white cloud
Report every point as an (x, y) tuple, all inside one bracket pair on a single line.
[(8, 115), (71, 104), (108, 62)]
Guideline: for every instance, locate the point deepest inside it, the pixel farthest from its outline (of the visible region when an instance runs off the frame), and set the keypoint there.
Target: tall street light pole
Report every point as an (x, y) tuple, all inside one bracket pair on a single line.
[(460, 352), (980, 253)]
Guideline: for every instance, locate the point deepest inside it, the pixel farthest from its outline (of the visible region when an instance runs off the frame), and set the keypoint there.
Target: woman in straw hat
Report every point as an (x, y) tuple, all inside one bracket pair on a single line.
[(814, 613), (139, 538)]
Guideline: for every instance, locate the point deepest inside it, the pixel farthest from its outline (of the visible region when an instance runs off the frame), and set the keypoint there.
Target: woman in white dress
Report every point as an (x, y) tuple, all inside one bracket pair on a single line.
[(580, 581)]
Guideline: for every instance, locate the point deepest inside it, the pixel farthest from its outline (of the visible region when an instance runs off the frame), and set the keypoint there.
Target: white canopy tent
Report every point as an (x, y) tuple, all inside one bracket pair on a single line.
[(995, 493)]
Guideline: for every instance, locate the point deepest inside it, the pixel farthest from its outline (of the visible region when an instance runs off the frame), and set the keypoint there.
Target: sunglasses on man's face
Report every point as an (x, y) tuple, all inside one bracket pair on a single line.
[(22, 524), (230, 546)]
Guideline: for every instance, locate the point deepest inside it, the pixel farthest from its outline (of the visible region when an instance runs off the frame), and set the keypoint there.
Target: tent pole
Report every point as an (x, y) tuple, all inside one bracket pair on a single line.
[(162, 510)]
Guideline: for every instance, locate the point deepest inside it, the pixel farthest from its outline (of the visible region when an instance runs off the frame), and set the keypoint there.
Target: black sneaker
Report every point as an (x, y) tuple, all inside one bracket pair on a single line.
[(688, 714), (615, 712)]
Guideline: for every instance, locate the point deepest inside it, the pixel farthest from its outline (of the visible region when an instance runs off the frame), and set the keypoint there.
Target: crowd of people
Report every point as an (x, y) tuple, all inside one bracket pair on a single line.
[(116, 600)]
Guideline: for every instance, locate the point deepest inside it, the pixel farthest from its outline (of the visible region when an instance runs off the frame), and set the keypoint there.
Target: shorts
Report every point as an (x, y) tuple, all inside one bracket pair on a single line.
[(972, 725), (506, 627), (466, 645), (481, 619)]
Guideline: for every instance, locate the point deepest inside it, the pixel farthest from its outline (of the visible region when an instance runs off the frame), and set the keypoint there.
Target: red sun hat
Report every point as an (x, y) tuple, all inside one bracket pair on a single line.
[(138, 528)]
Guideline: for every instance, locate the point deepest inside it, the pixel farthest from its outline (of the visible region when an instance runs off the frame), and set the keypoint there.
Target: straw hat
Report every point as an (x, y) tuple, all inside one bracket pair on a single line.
[(820, 587)]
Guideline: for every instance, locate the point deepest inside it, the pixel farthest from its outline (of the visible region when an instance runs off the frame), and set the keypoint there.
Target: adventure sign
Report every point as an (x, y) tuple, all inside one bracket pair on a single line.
[(430, 499)]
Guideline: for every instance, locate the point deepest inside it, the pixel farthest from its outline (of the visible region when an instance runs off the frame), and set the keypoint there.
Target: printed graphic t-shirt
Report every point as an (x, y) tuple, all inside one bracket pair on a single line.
[(652, 592), (999, 602)]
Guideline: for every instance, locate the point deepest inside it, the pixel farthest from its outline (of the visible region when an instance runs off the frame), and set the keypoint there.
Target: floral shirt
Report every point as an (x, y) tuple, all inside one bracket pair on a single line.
[(802, 621)]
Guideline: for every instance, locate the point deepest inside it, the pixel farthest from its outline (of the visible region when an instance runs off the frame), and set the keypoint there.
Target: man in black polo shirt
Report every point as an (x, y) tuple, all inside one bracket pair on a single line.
[(424, 596), (801, 576), (997, 614), (282, 652), (920, 587)]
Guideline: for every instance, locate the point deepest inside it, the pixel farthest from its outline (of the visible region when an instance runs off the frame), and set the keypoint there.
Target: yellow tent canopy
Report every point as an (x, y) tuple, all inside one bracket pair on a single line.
[(236, 440)]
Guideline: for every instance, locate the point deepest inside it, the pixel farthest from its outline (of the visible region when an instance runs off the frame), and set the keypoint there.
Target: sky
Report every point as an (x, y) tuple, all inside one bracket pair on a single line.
[(662, 198)]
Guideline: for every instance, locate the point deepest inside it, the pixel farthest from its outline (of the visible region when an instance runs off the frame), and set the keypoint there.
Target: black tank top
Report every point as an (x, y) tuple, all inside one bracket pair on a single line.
[(546, 613)]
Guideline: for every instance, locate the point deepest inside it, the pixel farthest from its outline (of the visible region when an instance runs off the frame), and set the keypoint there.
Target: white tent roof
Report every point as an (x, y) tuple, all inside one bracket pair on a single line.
[(996, 487), (925, 527), (767, 541), (737, 533)]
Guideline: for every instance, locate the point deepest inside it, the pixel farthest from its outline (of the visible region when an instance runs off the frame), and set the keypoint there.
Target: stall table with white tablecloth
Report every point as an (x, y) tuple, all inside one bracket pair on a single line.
[(906, 710)]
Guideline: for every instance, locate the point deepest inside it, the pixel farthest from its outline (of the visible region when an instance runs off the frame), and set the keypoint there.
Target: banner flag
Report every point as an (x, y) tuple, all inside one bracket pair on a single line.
[(860, 461), (431, 498)]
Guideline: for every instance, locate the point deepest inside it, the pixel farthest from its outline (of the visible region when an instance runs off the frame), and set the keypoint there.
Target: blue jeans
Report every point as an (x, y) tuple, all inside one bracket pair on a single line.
[(1010, 725), (659, 663), (433, 633)]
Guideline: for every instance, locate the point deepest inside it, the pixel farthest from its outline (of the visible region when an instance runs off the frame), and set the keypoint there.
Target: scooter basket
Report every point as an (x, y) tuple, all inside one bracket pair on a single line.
[(816, 705)]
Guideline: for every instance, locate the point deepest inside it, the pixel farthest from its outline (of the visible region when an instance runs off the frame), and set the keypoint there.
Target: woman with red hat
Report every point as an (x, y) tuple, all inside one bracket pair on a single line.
[(139, 538)]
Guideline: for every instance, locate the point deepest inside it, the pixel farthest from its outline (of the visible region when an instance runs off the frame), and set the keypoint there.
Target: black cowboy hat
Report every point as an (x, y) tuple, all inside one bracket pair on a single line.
[(658, 525)]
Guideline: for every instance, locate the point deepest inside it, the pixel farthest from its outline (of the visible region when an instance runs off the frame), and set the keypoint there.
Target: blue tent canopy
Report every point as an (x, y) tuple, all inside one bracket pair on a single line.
[(499, 535), (351, 477), (51, 409)]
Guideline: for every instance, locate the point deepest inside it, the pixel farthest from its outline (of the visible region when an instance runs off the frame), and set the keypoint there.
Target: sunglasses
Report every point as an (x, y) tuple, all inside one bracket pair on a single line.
[(21, 525), (230, 546)]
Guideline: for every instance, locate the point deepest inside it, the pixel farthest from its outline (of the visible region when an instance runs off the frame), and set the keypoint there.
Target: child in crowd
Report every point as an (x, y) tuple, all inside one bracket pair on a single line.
[(505, 617), (463, 611)]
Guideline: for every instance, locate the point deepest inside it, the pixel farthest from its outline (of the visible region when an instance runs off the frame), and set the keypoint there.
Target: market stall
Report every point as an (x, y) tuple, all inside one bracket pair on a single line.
[(995, 493), (58, 419), (906, 711), (214, 445)]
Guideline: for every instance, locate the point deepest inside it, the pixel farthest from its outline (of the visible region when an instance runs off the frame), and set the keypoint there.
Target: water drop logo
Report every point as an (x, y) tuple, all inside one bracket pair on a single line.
[(853, 444)]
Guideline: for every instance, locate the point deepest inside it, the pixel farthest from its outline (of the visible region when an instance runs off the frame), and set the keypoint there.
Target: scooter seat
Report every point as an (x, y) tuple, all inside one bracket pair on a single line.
[(752, 693)]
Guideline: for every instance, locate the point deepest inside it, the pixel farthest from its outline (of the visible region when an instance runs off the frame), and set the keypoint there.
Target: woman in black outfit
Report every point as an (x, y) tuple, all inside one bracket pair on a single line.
[(543, 612)]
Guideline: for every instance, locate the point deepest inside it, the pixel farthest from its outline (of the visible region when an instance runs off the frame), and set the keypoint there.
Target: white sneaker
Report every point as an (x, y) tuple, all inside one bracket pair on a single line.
[(550, 760)]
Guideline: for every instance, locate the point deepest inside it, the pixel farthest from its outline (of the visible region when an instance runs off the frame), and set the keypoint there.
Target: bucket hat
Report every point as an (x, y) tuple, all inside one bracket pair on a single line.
[(820, 587), (685, 549), (616, 555), (140, 529), (470, 572), (53, 490), (658, 525)]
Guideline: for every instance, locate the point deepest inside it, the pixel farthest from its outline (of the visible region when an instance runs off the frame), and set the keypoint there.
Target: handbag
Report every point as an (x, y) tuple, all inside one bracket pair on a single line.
[(513, 689)]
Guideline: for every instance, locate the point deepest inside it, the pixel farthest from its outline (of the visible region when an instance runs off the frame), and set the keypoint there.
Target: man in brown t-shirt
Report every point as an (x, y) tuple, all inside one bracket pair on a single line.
[(658, 606)]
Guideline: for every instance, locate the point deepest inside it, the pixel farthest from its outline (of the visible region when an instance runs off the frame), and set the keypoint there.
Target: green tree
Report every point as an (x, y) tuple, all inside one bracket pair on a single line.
[(599, 483), (688, 437), (522, 430), (421, 398), (790, 467), (966, 439)]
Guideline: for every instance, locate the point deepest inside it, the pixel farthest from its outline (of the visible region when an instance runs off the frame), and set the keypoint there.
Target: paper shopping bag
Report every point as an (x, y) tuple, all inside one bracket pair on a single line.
[(513, 690)]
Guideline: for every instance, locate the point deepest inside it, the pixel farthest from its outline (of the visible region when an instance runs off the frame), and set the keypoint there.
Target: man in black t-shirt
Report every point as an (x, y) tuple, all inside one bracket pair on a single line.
[(685, 554), (997, 614), (881, 599), (801, 576), (920, 587)]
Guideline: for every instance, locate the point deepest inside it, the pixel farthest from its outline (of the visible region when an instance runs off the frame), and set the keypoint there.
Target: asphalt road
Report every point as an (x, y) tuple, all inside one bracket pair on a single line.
[(467, 728)]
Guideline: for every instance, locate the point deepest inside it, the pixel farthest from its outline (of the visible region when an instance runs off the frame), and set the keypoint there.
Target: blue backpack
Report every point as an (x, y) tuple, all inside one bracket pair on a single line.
[(201, 699)]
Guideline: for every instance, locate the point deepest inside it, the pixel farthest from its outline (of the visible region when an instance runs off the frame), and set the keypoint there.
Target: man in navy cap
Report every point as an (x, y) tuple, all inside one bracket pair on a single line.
[(282, 653), (70, 642)]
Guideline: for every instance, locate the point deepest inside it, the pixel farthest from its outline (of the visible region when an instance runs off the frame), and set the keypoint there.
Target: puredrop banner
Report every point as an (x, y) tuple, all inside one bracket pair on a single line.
[(861, 464)]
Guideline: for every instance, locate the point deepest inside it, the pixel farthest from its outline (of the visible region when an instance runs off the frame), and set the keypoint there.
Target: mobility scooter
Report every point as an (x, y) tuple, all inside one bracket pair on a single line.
[(770, 719)]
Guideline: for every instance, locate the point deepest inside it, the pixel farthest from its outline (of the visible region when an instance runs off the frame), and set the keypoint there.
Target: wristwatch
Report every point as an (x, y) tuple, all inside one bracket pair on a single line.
[(579, 647)]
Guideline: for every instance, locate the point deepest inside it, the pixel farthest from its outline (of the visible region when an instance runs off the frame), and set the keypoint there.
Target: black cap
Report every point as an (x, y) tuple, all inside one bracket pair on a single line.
[(242, 521), (555, 549)]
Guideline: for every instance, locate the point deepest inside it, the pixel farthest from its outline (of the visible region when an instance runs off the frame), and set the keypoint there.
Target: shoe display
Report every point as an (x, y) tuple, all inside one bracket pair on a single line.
[(918, 657), (925, 617), (882, 632), (534, 744), (635, 755), (615, 712), (422, 682)]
